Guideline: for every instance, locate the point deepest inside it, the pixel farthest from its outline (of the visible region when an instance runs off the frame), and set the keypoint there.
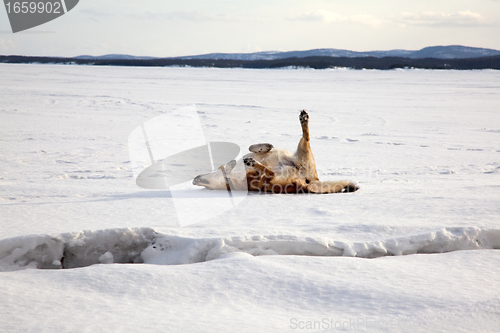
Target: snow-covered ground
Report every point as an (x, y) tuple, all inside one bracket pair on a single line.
[(413, 250)]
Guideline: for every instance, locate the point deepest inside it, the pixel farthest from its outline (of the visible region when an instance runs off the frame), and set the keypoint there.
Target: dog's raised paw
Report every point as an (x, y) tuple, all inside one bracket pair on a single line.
[(249, 161), (304, 117), (261, 148)]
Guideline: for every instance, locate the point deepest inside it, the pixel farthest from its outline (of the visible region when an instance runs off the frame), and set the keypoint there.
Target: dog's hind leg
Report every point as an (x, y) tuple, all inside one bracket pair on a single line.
[(304, 156), (261, 148), (304, 122)]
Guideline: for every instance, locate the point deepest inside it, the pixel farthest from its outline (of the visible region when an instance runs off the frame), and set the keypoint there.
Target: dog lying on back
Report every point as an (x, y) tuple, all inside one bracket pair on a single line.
[(267, 169)]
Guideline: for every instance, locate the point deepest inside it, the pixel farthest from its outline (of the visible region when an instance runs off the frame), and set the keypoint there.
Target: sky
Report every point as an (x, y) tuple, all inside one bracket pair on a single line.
[(163, 28)]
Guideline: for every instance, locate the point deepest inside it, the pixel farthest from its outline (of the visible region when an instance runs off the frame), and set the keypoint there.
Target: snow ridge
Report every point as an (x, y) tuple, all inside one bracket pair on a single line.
[(144, 245), (76, 249)]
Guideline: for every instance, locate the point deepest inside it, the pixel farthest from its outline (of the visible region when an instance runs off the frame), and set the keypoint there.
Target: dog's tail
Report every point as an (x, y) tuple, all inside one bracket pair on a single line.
[(342, 186)]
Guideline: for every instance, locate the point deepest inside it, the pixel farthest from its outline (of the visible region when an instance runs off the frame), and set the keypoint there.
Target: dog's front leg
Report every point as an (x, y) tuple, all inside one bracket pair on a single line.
[(258, 175)]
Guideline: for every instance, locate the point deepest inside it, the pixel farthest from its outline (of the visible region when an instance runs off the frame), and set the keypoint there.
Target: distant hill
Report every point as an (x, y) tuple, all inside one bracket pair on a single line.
[(453, 52), (438, 52), (318, 62), (434, 57), (113, 57)]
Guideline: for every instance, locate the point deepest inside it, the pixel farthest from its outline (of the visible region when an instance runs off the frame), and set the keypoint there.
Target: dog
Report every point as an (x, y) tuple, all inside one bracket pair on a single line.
[(270, 170)]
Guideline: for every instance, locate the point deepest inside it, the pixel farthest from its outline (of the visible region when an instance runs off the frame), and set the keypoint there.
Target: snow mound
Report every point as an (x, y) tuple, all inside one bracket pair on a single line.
[(77, 249), (168, 250), (144, 245)]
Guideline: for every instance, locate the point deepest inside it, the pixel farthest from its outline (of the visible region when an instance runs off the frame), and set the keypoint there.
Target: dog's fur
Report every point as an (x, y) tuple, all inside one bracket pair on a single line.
[(266, 169)]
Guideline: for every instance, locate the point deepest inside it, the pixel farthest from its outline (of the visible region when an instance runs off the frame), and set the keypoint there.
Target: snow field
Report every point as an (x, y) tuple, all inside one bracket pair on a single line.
[(422, 145), (418, 293)]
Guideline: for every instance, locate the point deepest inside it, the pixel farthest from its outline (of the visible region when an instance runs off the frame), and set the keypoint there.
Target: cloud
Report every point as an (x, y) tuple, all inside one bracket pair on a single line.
[(367, 20), (7, 45), (95, 13), (465, 18), (320, 15), (460, 19), (195, 16), (328, 17)]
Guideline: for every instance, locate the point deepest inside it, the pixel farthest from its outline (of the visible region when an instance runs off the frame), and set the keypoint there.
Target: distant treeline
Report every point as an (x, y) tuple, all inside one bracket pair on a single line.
[(308, 62)]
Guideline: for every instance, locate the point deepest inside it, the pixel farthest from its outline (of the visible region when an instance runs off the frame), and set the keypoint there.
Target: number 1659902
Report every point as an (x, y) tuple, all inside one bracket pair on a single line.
[(32, 7)]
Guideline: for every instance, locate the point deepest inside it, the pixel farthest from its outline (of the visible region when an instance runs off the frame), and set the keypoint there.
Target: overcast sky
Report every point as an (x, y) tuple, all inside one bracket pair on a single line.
[(172, 28)]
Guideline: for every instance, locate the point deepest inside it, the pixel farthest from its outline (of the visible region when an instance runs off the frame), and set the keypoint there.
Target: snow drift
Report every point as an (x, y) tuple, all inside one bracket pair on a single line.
[(77, 249), (144, 245)]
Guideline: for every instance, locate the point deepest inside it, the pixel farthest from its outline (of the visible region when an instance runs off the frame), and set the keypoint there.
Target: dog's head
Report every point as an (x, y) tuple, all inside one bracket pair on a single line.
[(212, 181), (232, 174)]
